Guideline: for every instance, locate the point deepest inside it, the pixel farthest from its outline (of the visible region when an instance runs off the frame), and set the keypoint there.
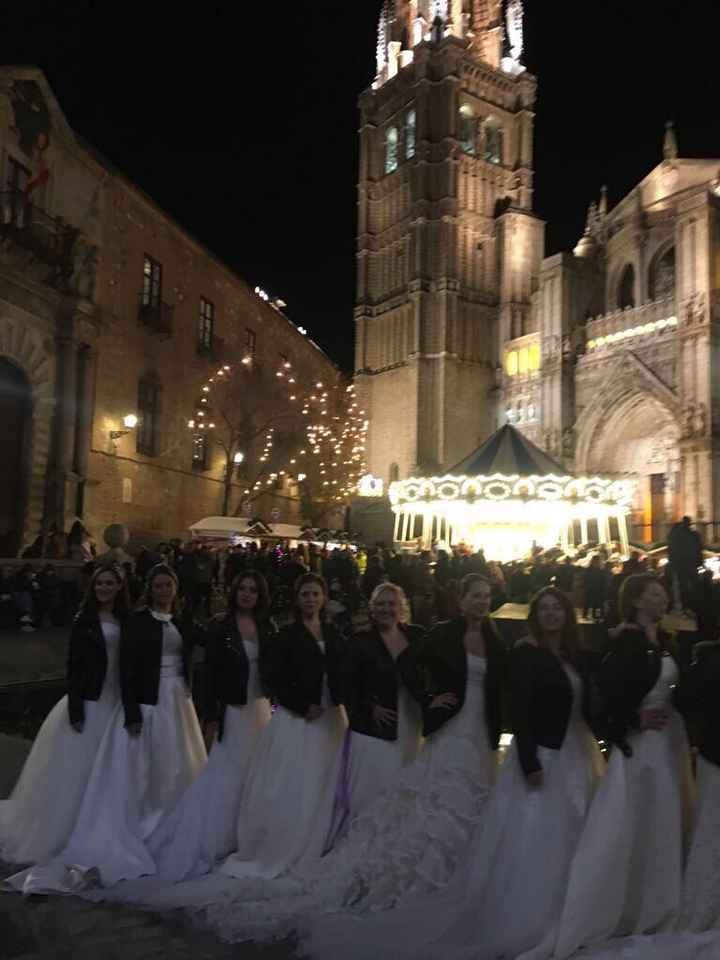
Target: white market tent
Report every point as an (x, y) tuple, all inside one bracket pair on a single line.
[(234, 528)]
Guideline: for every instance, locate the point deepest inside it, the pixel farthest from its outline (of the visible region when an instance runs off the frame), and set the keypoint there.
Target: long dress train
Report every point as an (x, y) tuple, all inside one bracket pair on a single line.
[(408, 843), (38, 817), (506, 898), (202, 828), (626, 876)]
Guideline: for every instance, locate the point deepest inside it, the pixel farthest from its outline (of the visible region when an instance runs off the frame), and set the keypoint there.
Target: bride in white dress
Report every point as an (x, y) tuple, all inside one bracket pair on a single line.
[(410, 840), (286, 808), (381, 700), (627, 873), (142, 769), (38, 817), (507, 897), (201, 829)]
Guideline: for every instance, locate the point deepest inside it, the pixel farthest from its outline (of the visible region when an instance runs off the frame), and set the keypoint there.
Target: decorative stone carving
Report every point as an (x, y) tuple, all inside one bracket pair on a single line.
[(694, 420), (693, 309), (568, 442)]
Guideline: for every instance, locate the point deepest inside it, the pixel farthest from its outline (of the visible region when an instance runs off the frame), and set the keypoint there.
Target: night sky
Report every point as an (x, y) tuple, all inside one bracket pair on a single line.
[(241, 119)]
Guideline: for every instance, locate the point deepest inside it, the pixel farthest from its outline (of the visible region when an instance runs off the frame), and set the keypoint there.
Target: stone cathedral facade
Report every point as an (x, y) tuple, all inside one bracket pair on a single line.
[(605, 356)]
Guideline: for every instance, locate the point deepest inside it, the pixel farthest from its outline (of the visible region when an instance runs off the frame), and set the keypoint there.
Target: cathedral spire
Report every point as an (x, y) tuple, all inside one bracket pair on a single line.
[(670, 146)]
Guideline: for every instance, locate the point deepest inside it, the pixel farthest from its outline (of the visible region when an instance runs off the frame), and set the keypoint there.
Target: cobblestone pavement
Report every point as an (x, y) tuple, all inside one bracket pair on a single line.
[(67, 928)]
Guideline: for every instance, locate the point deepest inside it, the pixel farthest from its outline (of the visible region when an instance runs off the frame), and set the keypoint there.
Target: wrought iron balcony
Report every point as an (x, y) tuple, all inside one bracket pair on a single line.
[(156, 316), (213, 347), (48, 238)]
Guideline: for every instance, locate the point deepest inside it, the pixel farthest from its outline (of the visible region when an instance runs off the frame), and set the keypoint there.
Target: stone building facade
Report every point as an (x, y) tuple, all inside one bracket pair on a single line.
[(109, 308), (605, 356)]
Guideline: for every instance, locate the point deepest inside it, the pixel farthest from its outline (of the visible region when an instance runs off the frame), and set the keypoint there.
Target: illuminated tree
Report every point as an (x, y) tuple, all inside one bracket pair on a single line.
[(269, 431)]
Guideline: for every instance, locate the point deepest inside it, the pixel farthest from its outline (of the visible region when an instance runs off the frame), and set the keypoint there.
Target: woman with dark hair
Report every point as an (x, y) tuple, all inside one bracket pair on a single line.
[(141, 771), (627, 874), (37, 819), (287, 802), (202, 828)]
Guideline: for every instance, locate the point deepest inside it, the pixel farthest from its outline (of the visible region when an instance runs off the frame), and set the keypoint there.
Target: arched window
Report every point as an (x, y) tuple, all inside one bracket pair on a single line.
[(493, 145), (391, 150), (662, 276), (466, 129), (626, 288), (410, 123), (394, 472)]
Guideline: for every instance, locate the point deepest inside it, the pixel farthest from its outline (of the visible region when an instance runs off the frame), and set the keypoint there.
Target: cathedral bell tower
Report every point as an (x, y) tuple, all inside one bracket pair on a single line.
[(447, 243)]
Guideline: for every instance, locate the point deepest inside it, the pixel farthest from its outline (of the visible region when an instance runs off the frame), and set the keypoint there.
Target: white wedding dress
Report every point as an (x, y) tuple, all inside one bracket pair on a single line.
[(506, 898), (134, 780), (367, 765), (38, 817), (627, 873), (409, 841), (202, 828), (287, 803), (701, 894)]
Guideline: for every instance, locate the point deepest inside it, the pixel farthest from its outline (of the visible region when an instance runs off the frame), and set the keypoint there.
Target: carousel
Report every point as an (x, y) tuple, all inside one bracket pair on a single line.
[(507, 498)]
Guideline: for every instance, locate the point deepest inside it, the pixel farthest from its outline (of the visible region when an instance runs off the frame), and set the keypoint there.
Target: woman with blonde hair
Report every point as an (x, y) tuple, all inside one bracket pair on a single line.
[(381, 693)]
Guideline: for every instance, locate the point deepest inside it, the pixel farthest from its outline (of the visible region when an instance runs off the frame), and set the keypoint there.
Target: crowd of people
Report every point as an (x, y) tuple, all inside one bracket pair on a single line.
[(353, 792)]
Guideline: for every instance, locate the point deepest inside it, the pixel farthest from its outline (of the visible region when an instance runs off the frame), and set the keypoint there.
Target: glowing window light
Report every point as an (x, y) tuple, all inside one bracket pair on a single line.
[(534, 356), (511, 363), (523, 360)]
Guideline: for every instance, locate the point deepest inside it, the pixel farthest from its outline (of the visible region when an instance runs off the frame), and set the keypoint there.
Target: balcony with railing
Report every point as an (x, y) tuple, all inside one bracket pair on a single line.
[(50, 239), (623, 327), (212, 347), (155, 315)]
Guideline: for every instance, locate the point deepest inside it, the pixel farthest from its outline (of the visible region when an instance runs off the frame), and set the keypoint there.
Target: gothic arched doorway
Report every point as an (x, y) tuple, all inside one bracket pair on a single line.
[(15, 417), (638, 440)]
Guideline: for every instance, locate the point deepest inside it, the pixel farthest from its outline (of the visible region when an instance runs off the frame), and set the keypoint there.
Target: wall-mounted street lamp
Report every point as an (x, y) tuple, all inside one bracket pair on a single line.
[(130, 421)]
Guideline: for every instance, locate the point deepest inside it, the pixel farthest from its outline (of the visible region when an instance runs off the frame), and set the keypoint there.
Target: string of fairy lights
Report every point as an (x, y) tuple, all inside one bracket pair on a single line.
[(333, 441)]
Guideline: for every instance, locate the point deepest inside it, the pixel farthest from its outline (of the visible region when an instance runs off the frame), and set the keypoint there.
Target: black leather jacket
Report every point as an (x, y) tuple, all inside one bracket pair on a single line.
[(701, 695), (541, 700), (227, 669), (86, 665), (140, 656), (371, 678), (443, 661), (293, 667), (627, 674)]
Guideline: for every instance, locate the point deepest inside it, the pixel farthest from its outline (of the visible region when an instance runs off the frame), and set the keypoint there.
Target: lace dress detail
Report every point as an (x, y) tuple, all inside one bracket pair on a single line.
[(408, 843)]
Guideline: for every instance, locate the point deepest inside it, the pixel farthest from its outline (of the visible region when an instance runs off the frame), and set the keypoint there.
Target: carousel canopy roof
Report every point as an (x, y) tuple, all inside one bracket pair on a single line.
[(510, 453)]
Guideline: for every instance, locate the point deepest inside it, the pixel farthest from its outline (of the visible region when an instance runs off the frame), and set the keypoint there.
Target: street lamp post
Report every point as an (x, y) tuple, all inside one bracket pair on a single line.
[(130, 421)]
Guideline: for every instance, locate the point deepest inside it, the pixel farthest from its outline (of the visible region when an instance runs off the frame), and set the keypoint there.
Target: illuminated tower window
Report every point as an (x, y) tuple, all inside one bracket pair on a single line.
[(493, 147), (534, 356), (523, 360), (511, 363), (410, 121), (391, 150), (466, 132)]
